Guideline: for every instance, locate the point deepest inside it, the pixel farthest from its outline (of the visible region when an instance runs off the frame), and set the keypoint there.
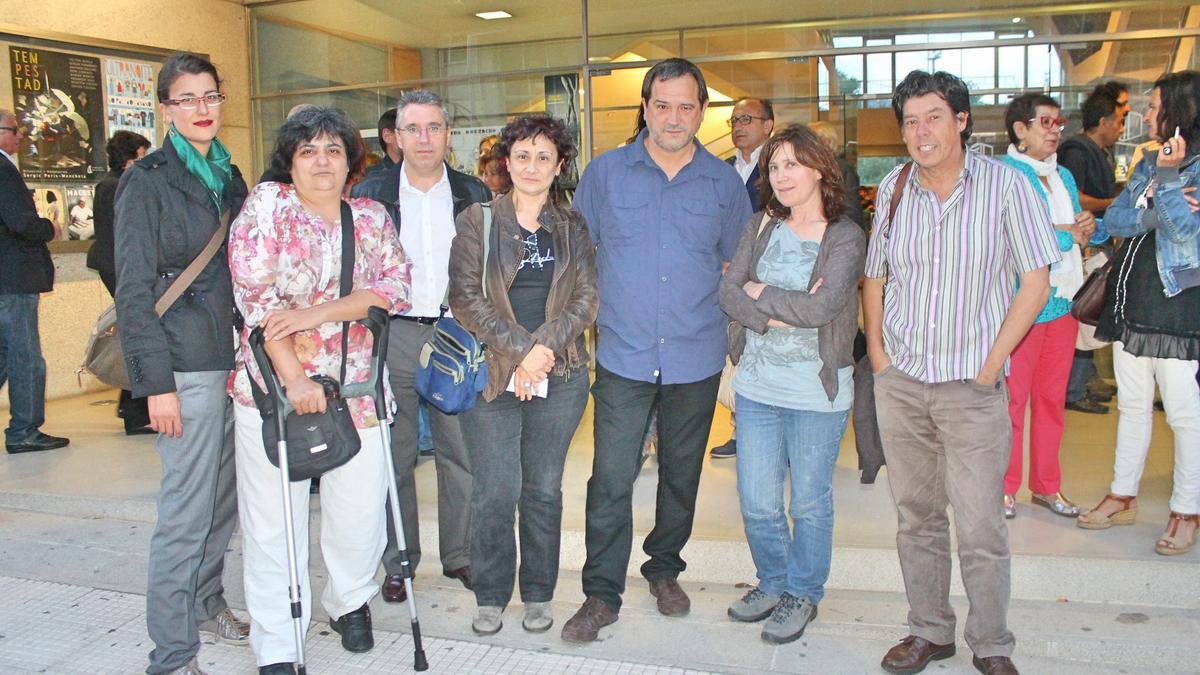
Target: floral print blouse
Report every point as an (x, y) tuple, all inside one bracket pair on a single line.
[(282, 256)]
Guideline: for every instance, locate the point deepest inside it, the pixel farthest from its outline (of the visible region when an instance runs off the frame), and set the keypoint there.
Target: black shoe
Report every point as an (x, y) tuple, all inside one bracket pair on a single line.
[(277, 669), (1087, 405), (726, 450), (355, 629), (38, 443), (463, 574), (1102, 388), (428, 452), (139, 431)]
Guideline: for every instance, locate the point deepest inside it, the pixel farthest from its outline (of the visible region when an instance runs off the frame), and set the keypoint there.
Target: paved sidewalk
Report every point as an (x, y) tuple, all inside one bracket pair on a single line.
[(63, 628)]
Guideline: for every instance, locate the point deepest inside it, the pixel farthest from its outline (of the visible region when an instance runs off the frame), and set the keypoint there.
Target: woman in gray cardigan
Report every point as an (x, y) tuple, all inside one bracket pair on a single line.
[(793, 283)]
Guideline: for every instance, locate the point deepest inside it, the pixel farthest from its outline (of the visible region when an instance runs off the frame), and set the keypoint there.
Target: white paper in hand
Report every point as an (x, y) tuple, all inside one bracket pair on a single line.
[(540, 389)]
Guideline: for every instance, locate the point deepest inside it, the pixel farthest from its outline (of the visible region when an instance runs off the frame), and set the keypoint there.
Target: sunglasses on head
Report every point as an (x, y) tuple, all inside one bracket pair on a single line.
[(1049, 122)]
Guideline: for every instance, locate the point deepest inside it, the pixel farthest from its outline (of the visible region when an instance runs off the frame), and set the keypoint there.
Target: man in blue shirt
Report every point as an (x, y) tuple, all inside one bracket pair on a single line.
[(665, 215)]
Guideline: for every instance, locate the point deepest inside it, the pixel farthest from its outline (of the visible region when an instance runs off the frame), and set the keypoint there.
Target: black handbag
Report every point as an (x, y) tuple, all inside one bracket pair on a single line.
[(316, 443)]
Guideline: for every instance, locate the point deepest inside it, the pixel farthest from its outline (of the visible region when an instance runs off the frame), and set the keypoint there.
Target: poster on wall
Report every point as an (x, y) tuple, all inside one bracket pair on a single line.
[(49, 202), (80, 225), (57, 98), (129, 89), (562, 101), (464, 147)]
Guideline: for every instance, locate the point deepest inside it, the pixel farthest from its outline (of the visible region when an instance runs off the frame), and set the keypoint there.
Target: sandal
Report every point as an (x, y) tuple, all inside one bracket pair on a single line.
[(1170, 543), (1095, 520)]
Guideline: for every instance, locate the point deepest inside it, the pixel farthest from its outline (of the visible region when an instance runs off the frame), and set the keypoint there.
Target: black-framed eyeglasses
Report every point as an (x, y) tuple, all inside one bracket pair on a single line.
[(12, 129), (742, 119), (192, 102)]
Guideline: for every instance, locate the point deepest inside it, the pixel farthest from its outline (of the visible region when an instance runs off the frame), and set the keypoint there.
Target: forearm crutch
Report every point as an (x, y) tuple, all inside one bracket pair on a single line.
[(377, 321)]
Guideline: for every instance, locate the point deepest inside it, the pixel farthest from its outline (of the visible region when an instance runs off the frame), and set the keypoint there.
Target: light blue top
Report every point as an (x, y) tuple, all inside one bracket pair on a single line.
[(1055, 306), (782, 366)]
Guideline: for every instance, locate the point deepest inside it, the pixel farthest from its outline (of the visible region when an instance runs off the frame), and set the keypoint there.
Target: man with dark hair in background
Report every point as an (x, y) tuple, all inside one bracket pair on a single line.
[(1089, 158), (665, 215), (939, 341), (388, 142), (124, 148)]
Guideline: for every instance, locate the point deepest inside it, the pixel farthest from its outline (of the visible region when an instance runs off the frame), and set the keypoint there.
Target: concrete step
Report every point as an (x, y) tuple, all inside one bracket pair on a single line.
[(1165, 582)]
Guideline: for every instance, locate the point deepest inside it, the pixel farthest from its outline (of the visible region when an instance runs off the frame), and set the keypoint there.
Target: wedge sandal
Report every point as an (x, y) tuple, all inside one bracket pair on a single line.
[(1171, 543), (1095, 520)]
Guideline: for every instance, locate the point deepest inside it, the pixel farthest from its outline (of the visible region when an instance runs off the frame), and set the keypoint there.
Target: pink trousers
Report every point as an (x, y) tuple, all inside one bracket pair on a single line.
[(1038, 373)]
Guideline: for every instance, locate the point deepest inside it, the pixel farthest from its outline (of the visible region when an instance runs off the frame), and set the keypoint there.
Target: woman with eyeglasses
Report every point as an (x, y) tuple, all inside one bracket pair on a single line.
[(529, 298), (170, 205), (1152, 313), (1041, 364)]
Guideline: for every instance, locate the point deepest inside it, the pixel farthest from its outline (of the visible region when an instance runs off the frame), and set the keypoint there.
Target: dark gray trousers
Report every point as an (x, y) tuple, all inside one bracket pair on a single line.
[(452, 461)]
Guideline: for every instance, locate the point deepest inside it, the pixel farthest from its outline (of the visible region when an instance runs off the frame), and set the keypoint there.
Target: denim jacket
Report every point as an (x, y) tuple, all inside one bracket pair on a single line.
[(1178, 228)]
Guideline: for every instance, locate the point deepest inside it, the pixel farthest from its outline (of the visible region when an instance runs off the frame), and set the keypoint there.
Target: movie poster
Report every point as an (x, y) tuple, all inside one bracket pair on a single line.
[(562, 101), (80, 223), (129, 88), (58, 100)]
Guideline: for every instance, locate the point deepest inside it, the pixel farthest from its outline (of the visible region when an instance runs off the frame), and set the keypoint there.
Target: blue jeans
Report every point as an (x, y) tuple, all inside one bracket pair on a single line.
[(517, 453), (770, 439), (22, 366)]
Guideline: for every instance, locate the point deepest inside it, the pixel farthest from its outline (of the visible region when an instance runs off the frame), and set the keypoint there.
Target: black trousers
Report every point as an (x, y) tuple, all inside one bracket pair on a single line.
[(622, 413)]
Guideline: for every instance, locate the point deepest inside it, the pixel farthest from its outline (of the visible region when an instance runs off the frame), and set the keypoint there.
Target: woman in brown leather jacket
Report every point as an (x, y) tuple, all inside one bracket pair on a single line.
[(528, 295)]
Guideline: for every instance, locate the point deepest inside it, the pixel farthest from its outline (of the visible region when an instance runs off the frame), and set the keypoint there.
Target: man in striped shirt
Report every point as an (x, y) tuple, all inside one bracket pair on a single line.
[(942, 309)]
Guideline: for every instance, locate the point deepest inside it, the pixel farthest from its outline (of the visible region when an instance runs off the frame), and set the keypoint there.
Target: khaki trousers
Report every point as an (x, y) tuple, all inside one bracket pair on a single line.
[(948, 444)]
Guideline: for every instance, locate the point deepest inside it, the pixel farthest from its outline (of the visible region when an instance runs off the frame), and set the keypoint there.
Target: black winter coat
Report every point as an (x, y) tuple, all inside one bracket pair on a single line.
[(165, 218)]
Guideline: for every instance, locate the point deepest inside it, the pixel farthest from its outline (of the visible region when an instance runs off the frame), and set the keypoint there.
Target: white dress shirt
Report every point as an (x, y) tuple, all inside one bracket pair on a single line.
[(746, 168), (426, 230)]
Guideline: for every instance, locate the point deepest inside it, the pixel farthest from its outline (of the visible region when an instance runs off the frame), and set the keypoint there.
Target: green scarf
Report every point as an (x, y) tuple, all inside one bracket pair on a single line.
[(214, 172)]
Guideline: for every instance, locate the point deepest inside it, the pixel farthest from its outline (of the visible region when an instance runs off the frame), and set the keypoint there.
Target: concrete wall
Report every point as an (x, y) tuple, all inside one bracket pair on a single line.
[(214, 27)]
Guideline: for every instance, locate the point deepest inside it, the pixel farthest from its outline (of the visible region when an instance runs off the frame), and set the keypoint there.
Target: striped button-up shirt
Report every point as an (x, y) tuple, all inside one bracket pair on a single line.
[(952, 267)]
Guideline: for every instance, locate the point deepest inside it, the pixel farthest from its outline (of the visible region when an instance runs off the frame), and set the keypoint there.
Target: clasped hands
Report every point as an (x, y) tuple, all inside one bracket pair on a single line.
[(534, 368)]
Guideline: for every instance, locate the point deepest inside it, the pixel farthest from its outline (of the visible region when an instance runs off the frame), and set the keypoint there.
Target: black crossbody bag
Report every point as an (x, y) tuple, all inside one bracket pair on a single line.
[(317, 442)]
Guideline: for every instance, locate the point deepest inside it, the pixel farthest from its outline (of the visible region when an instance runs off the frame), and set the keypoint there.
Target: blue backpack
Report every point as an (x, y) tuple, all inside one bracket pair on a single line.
[(451, 371)]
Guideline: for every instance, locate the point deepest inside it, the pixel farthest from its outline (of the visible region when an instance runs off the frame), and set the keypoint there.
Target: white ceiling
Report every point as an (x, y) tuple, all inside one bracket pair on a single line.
[(448, 23)]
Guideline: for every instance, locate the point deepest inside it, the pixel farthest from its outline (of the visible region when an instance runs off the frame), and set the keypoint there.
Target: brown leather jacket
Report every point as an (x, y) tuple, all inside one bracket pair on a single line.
[(570, 307)]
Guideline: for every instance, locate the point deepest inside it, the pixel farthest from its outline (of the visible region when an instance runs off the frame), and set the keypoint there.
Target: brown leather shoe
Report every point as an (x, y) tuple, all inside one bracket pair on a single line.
[(393, 588), (672, 601), (463, 574), (593, 615), (994, 665), (913, 654)]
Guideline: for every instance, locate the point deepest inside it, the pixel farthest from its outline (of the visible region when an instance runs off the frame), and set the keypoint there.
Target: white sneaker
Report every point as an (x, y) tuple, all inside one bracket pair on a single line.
[(190, 668), (227, 628)]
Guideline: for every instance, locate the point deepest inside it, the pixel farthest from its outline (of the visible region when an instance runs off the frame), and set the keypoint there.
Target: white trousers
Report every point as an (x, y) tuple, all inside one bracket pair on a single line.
[(352, 536), (1136, 376)]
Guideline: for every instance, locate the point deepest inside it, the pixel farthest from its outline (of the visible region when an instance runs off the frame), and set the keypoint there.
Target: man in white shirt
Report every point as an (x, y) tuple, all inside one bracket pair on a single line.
[(81, 226), (752, 121), (423, 195)]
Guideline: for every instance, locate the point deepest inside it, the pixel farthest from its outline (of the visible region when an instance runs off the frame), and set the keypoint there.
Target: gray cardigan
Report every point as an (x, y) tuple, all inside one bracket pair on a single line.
[(832, 310)]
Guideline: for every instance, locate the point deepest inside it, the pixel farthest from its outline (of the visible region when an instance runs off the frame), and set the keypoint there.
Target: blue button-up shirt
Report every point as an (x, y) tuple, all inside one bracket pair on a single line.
[(660, 247)]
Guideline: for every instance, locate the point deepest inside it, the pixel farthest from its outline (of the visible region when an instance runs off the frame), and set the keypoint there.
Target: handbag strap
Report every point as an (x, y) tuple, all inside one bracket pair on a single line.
[(346, 282), (487, 247), (897, 193), (194, 268)]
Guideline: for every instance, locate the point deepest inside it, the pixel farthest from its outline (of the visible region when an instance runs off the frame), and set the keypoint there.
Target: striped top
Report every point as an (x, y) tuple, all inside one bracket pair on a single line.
[(952, 267)]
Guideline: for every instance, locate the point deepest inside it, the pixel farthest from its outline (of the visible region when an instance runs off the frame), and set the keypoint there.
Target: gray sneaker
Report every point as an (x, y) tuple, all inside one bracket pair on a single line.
[(788, 621), (538, 617), (227, 628), (754, 606), (487, 620)]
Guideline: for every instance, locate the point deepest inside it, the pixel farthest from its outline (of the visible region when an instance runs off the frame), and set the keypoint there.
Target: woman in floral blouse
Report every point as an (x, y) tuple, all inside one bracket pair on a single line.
[(285, 258)]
